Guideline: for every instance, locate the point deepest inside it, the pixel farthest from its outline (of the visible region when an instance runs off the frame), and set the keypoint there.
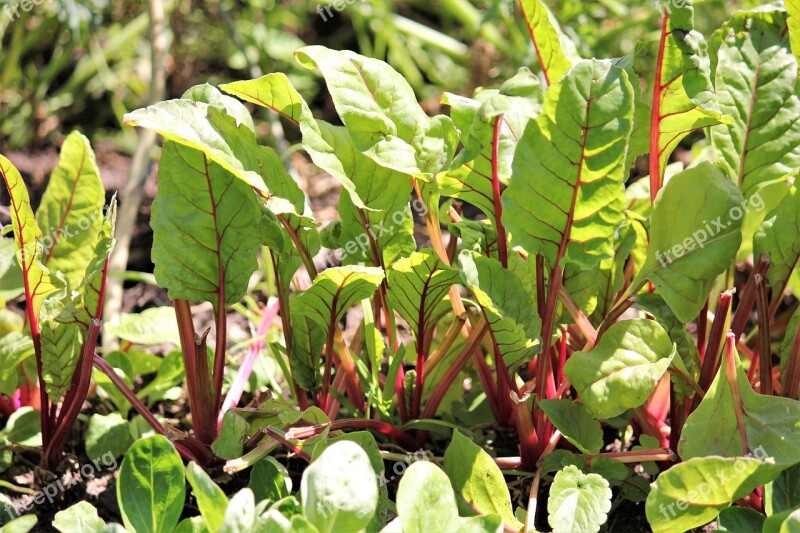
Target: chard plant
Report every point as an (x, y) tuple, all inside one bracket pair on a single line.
[(62, 250), (576, 305)]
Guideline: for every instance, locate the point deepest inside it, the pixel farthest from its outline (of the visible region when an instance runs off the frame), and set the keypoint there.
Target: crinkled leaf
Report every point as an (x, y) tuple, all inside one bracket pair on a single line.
[(71, 211), (509, 309), (340, 489), (622, 369), (555, 52), (692, 493), (308, 343), (755, 81), (335, 291), (380, 111), (61, 349), (567, 196), (470, 177), (578, 503), (575, 424), (478, 480), (772, 424), (204, 246), (694, 236), (151, 486), (793, 10), (417, 287), (27, 239), (686, 100)]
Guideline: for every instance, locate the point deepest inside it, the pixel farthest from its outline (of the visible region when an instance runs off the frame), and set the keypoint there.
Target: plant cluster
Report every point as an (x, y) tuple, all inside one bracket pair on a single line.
[(606, 326)]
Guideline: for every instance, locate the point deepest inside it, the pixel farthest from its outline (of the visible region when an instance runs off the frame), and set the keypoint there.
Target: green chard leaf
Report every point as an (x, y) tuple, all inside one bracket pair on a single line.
[(71, 211), (425, 500), (778, 237), (623, 369), (755, 80), (308, 344), (509, 309), (375, 206), (27, 238), (575, 423), (555, 52), (567, 197), (79, 518), (478, 480), (694, 235), (336, 290), (684, 97), (340, 489), (151, 486), (380, 111), (204, 243), (692, 493), (578, 502), (514, 104), (793, 10), (418, 285), (772, 423), (211, 500)]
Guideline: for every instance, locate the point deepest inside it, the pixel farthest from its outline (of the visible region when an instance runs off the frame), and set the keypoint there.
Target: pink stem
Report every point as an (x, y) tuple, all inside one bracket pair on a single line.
[(243, 375)]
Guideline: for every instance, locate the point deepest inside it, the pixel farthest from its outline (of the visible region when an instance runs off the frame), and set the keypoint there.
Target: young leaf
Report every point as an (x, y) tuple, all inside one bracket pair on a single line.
[(151, 486), (575, 423), (683, 98), (240, 515), (478, 480), (11, 285), (61, 348), (694, 236), (509, 309), (152, 326), (15, 348), (471, 176), (772, 424), (211, 500), (308, 344), (340, 489), (204, 243), (70, 213), (79, 518), (623, 369), (425, 500), (107, 434), (417, 287), (578, 502), (567, 197), (27, 238), (693, 493), (269, 480), (778, 237), (554, 50), (755, 80), (335, 291), (380, 111)]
